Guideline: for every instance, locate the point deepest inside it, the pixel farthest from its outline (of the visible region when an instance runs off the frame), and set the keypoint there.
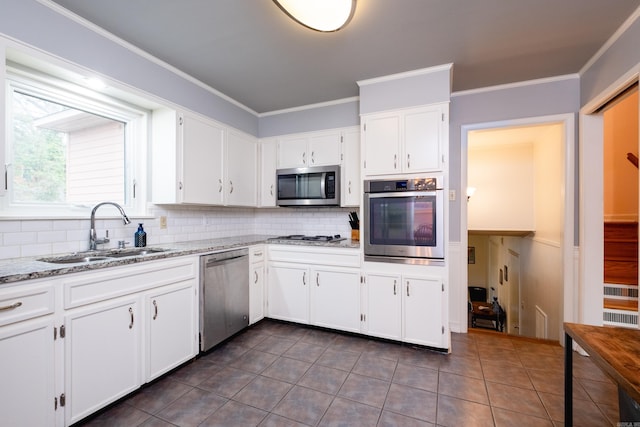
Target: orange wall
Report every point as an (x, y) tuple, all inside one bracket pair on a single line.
[(620, 176)]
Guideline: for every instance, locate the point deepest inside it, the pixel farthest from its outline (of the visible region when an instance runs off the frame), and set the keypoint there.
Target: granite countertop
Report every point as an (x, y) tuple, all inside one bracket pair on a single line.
[(18, 269)]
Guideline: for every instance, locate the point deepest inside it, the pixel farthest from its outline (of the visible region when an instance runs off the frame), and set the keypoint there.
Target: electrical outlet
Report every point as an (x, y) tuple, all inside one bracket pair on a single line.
[(163, 222), (452, 195)]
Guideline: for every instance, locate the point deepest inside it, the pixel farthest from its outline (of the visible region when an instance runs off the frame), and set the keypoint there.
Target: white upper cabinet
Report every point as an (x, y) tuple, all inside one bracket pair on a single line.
[(198, 161), (309, 149), (241, 170), (351, 168), (268, 159), (201, 165), (405, 141)]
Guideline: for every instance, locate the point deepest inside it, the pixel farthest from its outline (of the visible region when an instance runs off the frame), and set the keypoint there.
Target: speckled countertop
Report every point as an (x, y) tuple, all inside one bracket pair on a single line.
[(18, 269)]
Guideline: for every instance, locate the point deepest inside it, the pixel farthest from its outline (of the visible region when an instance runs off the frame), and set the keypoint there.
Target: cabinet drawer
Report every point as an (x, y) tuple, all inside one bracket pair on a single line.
[(340, 257), (86, 288), (25, 302), (256, 253)]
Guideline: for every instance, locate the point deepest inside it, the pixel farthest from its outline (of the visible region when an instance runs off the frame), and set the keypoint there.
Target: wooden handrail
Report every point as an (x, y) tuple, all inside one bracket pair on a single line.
[(633, 159)]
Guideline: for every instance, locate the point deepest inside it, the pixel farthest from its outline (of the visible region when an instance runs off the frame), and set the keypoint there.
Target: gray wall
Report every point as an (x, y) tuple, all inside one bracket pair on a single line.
[(617, 60), (339, 115), (502, 103), (408, 90), (39, 26)]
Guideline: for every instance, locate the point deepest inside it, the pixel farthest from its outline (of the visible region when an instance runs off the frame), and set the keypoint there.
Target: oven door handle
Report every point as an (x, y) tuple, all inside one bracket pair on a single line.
[(403, 194)]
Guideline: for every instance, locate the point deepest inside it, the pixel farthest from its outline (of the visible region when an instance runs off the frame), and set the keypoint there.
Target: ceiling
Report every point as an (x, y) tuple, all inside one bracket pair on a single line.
[(252, 52)]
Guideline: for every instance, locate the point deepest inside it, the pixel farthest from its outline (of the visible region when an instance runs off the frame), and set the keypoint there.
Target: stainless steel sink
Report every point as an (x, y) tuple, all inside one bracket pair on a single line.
[(121, 253), (94, 256), (75, 259)]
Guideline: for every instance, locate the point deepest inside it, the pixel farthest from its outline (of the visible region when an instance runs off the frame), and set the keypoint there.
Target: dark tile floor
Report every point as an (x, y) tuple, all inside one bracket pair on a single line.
[(279, 374)]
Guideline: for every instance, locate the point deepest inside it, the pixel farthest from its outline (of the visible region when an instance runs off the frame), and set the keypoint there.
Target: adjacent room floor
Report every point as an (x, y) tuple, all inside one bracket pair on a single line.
[(280, 374)]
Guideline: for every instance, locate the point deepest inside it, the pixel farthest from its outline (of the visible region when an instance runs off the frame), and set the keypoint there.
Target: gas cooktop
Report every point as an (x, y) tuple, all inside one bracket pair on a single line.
[(335, 238)]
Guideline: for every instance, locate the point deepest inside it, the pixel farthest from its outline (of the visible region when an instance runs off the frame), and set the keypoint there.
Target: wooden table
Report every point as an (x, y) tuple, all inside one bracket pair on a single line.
[(615, 350)]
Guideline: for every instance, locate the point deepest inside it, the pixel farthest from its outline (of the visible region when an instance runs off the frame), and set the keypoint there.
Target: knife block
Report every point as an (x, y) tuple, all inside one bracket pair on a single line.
[(355, 235)]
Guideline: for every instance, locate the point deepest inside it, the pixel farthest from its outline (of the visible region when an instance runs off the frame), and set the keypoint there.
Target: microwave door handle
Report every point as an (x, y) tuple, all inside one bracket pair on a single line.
[(323, 186)]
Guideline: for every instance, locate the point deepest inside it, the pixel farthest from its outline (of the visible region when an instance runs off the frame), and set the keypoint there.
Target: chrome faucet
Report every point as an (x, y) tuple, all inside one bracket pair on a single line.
[(93, 239)]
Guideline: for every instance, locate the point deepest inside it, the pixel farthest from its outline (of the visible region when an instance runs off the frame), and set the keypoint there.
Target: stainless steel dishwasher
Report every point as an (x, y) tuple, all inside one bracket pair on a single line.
[(224, 296)]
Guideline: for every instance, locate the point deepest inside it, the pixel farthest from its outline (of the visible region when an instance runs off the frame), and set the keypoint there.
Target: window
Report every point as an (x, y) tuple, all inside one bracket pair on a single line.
[(69, 148)]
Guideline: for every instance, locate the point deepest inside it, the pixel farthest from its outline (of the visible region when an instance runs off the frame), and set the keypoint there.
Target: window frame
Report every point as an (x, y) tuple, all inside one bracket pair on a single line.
[(21, 78)]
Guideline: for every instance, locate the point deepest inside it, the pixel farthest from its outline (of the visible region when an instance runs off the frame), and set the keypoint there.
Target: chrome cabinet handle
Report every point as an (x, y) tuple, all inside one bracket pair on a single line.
[(180, 185), (395, 160), (313, 160), (230, 186), (219, 185), (304, 279), (408, 161), (155, 307), (11, 307), (317, 279), (304, 158), (131, 313), (349, 186), (271, 190), (394, 287), (407, 288), (256, 280)]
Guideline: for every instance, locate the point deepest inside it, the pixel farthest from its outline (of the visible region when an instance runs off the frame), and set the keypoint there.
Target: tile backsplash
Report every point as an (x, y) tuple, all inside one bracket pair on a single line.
[(25, 238)]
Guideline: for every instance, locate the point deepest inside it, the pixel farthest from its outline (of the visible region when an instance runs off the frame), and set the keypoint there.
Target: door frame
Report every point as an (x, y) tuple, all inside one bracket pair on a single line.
[(570, 291)]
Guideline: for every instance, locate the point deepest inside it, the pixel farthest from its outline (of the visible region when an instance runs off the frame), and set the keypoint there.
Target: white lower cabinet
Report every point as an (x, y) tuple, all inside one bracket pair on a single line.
[(406, 308), (382, 316), (27, 372), (288, 297), (28, 393), (125, 326), (102, 355), (256, 284), (422, 320), (171, 328), (335, 298)]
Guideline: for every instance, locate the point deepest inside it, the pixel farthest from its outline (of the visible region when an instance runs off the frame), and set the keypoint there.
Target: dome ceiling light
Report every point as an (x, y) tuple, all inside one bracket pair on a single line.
[(319, 15)]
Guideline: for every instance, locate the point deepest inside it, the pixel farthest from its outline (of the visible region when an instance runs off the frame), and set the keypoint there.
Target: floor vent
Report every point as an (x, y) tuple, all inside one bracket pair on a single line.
[(620, 318), (620, 291), (541, 323)]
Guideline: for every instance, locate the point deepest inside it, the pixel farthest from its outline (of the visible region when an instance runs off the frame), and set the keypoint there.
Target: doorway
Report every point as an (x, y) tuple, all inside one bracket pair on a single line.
[(529, 208)]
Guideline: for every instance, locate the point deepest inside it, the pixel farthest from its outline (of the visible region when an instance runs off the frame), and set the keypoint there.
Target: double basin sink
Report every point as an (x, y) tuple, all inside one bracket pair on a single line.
[(107, 255)]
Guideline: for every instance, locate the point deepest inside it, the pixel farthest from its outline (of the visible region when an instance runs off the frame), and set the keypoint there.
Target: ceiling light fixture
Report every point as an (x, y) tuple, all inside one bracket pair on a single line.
[(319, 15)]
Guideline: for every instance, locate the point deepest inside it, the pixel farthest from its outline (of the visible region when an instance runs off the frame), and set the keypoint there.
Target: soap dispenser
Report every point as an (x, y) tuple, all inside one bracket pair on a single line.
[(140, 238)]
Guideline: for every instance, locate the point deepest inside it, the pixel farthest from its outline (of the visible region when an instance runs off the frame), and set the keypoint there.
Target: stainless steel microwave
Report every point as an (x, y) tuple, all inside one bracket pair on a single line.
[(313, 186), (404, 220)]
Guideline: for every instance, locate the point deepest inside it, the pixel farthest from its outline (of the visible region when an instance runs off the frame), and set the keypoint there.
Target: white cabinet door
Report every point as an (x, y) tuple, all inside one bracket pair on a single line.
[(422, 307), (102, 355), (289, 292), (383, 317), (292, 152), (381, 144), (351, 187), (309, 149), (171, 334), (241, 168), (335, 298), (324, 149), (422, 139), (202, 163), (268, 160), (27, 372), (256, 293)]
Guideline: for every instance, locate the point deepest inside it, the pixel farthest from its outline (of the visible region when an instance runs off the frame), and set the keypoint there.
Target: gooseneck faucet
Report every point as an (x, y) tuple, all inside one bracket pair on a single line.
[(93, 238)]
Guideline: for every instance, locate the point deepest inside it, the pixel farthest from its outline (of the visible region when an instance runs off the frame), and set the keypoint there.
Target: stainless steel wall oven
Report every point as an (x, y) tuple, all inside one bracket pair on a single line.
[(404, 220)]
